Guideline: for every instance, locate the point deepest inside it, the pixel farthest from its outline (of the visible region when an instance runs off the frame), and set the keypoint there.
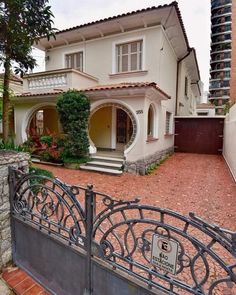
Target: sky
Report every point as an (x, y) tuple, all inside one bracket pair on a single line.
[(195, 14)]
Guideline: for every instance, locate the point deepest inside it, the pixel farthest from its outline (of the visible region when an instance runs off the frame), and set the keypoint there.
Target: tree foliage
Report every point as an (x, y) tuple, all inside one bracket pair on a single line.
[(22, 23), (74, 109)]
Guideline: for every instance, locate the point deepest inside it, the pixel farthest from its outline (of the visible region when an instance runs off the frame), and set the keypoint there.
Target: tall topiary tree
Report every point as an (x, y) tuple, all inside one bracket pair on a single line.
[(74, 109), (22, 22)]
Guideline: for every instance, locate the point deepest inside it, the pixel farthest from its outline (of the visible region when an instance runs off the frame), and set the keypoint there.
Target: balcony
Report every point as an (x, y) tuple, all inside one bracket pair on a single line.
[(219, 85), (225, 20), (220, 3), (220, 77), (220, 48), (221, 39), (62, 79), (221, 12), (220, 30)]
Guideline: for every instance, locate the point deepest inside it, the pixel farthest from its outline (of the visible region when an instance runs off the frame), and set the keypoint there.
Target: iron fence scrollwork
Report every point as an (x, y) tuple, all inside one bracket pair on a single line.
[(120, 233)]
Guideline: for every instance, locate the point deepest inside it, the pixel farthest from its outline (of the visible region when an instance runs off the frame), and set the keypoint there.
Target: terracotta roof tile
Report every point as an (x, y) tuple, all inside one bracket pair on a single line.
[(172, 4), (126, 85), (103, 87)]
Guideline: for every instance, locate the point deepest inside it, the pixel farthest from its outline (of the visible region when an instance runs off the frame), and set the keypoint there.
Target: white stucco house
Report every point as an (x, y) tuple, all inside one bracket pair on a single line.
[(138, 71)]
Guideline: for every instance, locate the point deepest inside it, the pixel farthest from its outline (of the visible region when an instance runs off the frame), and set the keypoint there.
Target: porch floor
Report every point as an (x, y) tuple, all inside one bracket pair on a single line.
[(21, 283)]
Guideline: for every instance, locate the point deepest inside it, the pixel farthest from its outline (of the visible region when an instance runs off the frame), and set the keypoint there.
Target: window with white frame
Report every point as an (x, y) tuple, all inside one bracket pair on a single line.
[(168, 123), (74, 60), (129, 56)]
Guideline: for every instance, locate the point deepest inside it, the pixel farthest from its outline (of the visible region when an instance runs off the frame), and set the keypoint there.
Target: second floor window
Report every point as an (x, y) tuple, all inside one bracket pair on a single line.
[(74, 61), (129, 56)]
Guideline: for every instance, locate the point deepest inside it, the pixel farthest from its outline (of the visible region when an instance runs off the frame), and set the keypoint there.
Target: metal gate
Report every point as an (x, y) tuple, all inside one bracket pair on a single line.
[(202, 135), (74, 240)]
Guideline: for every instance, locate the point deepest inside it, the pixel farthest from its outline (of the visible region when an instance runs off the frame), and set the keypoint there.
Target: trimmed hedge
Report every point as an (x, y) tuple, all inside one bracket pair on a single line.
[(74, 110)]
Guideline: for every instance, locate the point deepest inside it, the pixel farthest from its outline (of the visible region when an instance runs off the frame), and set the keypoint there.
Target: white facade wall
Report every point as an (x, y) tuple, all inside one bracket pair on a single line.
[(99, 57), (229, 150), (186, 105), (159, 66)]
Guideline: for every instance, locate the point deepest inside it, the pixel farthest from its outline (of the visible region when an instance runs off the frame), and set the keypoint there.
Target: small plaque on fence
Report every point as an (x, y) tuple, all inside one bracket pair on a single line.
[(164, 253)]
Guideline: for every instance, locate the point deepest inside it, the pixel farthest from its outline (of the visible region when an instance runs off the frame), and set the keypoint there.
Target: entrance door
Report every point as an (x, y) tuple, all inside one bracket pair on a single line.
[(124, 127)]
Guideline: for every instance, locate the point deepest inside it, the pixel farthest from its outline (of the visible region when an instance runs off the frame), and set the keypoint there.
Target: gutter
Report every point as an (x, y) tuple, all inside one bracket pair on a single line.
[(190, 50), (177, 78)]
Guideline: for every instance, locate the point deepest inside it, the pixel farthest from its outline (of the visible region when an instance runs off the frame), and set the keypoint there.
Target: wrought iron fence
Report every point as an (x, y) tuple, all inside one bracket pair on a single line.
[(124, 233)]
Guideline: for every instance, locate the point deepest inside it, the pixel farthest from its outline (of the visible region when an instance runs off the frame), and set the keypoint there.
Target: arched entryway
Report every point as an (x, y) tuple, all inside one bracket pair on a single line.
[(44, 120), (112, 127)]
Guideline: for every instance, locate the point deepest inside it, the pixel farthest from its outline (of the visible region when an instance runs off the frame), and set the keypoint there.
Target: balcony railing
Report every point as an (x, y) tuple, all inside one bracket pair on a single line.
[(62, 79), (218, 3), (219, 84), (221, 12), (224, 29), (50, 81)]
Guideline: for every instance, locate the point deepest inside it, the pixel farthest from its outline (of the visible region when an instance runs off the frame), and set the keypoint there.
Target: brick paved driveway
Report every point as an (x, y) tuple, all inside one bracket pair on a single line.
[(184, 183)]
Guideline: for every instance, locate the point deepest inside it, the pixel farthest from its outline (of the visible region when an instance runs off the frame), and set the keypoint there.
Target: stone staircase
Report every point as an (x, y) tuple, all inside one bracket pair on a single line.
[(105, 164)]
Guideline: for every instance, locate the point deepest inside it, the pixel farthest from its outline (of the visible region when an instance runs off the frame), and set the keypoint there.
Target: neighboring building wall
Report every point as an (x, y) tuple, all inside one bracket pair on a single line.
[(222, 54), (229, 150), (233, 57), (16, 160)]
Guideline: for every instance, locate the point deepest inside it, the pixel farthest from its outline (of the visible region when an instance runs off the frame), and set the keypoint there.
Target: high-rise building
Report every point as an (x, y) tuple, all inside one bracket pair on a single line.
[(223, 56)]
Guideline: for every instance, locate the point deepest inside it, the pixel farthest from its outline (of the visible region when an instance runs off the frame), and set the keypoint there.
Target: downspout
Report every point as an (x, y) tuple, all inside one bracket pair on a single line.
[(177, 78)]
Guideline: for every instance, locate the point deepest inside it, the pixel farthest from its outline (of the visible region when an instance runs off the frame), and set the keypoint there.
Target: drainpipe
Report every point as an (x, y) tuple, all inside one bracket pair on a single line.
[(177, 78)]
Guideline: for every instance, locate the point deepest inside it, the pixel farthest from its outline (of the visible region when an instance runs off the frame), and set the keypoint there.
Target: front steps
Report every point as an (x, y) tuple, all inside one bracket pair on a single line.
[(105, 164)]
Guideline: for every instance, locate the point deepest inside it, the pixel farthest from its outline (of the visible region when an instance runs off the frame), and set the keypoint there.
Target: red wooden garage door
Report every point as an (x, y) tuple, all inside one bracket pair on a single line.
[(199, 135)]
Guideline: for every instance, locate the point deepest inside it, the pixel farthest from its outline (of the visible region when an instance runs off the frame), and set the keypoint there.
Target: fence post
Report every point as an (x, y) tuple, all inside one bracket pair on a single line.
[(89, 211)]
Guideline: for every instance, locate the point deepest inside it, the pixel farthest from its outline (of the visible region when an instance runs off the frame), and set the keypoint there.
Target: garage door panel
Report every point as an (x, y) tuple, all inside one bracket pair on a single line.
[(199, 135)]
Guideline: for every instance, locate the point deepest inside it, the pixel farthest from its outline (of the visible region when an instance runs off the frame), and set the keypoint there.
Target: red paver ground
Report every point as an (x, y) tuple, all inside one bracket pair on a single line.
[(184, 183), (21, 283)]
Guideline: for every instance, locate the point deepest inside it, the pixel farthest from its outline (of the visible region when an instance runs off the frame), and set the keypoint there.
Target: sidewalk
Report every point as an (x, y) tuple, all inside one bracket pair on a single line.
[(20, 283)]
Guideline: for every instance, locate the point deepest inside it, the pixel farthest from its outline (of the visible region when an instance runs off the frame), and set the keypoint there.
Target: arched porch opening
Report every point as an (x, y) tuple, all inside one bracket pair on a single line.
[(112, 127), (44, 121)]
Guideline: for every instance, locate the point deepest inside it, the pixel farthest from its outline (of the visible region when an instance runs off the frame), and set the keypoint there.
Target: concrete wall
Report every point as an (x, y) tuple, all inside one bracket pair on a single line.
[(229, 150), (16, 160)]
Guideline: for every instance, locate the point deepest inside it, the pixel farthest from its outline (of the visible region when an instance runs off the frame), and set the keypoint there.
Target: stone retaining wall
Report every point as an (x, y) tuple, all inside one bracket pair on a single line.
[(141, 166), (16, 160)]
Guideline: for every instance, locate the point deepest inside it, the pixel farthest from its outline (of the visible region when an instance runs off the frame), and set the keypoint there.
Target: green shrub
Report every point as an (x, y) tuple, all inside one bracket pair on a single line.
[(74, 109), (151, 168), (46, 139), (11, 146), (38, 180)]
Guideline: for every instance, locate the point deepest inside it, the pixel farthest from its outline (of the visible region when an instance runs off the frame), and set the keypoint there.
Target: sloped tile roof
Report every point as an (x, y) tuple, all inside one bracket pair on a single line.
[(102, 87), (172, 4)]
